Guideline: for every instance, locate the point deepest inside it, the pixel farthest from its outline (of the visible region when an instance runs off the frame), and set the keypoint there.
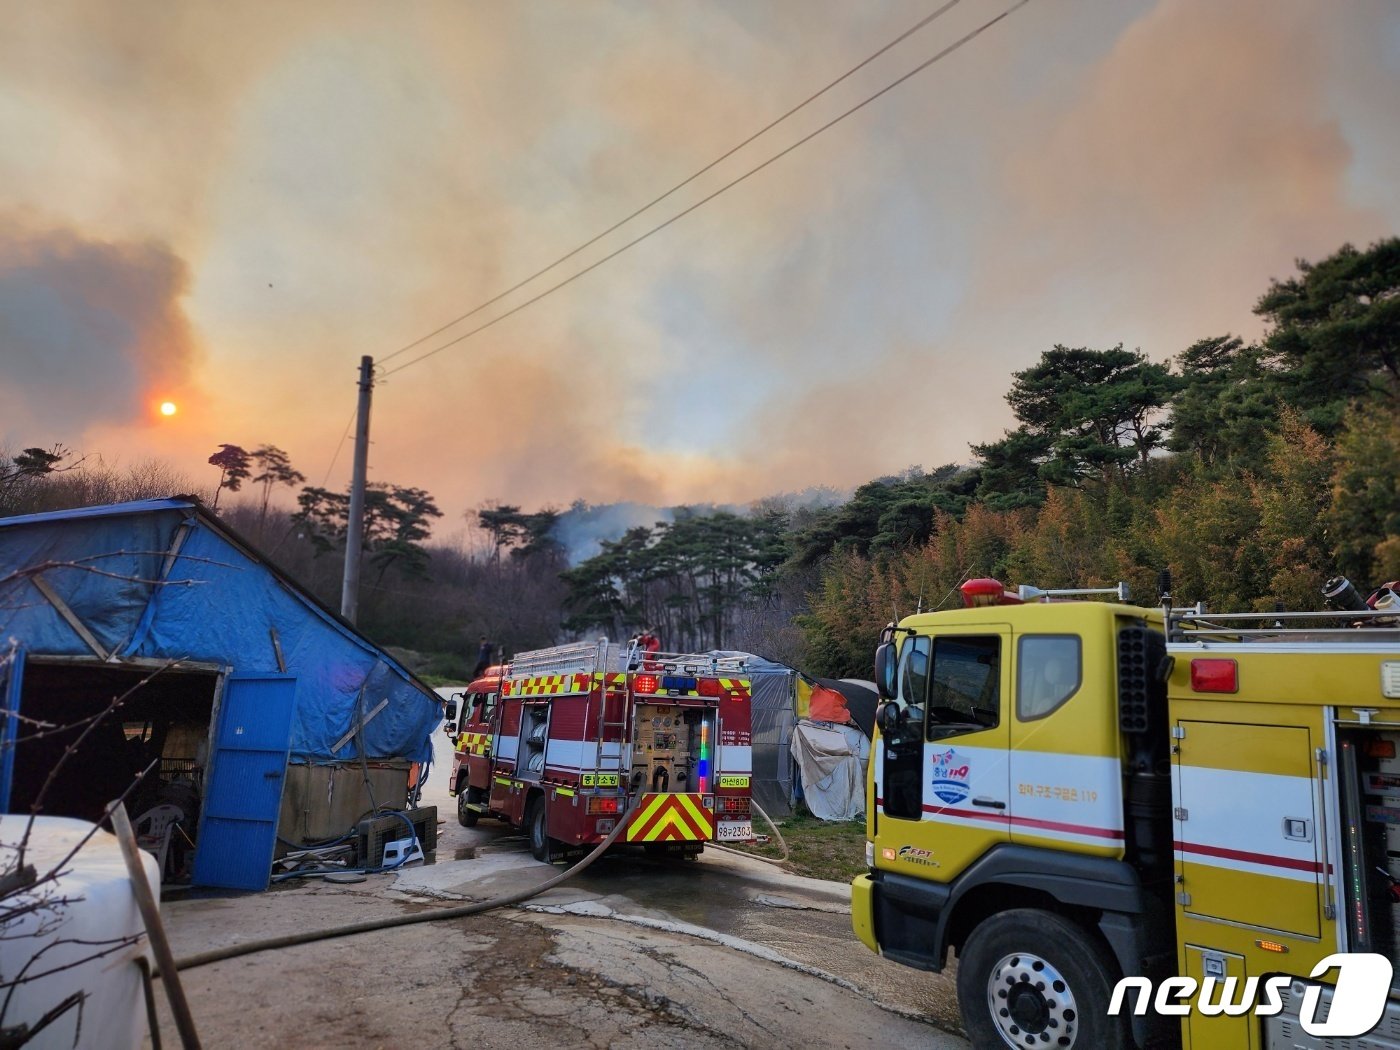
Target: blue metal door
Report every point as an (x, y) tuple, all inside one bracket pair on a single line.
[(244, 794), (11, 682)]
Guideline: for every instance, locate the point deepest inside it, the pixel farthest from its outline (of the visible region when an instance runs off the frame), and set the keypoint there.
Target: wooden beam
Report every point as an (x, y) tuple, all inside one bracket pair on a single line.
[(155, 930), (355, 729), (42, 585), (143, 663)]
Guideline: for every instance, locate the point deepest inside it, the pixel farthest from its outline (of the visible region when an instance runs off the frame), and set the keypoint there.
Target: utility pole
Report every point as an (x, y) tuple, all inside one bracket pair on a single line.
[(355, 527)]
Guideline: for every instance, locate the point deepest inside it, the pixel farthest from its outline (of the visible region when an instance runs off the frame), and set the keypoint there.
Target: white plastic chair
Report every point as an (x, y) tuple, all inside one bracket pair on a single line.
[(154, 829)]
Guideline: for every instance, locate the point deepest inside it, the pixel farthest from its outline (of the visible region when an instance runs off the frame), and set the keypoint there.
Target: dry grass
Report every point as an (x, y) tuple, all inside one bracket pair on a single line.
[(819, 849)]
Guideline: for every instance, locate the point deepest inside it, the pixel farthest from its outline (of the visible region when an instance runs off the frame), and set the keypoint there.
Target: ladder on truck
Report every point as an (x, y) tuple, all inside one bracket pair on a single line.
[(613, 658), (698, 665), (574, 658)]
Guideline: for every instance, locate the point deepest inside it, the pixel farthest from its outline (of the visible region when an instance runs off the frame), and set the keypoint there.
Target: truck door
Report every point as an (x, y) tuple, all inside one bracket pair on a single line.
[(1247, 835), (477, 732), (1066, 776), (943, 786)]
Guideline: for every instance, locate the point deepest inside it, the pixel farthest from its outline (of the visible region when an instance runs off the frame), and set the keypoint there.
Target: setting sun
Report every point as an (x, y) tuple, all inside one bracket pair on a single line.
[(167, 408)]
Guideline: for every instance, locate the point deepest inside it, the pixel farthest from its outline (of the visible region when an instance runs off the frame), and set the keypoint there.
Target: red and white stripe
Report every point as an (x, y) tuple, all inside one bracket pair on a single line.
[(1235, 820)]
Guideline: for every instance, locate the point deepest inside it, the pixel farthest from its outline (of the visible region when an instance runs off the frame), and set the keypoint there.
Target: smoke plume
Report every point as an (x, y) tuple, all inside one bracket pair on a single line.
[(90, 331)]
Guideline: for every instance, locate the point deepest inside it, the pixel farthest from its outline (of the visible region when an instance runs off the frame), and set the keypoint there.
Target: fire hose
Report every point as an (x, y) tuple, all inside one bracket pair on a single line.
[(782, 845), (233, 951)]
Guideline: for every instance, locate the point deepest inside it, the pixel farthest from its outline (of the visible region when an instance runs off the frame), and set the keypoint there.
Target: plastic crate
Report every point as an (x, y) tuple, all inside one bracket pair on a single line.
[(375, 832)]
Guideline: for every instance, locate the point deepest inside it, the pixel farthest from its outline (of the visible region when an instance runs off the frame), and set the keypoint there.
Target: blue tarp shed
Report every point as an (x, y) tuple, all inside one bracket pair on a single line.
[(134, 585)]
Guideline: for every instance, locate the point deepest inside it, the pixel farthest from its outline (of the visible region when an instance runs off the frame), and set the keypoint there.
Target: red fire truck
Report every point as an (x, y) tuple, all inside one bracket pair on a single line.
[(560, 739)]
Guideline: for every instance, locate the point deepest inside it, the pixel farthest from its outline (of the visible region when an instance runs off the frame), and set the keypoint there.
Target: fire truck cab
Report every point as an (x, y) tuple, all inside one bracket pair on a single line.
[(470, 718), (561, 740), (1069, 793)]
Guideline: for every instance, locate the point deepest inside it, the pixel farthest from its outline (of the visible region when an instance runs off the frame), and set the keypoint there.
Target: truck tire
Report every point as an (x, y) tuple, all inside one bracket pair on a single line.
[(468, 817), (1031, 978), (537, 827)]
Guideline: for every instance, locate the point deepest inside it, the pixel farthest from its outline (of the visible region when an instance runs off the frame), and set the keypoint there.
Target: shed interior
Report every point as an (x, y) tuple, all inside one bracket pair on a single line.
[(164, 715)]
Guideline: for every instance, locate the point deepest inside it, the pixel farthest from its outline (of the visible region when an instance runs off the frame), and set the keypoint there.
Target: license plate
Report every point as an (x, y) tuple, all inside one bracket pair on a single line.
[(733, 782), (732, 831)]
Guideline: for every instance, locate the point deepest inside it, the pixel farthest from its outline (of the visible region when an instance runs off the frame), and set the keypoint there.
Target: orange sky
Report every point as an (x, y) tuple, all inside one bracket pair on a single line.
[(226, 205)]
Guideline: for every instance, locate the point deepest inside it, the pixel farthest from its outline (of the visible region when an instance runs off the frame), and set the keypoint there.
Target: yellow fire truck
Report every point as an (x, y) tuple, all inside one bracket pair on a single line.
[(1067, 793)]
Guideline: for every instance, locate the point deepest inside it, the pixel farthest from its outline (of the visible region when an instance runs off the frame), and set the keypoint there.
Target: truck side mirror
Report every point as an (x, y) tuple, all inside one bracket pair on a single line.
[(886, 665), (451, 716), (888, 718)]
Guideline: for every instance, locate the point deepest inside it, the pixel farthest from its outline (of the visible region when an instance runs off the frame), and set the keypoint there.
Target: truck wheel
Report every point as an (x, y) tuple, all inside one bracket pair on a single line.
[(537, 826), (1031, 978), (468, 817)]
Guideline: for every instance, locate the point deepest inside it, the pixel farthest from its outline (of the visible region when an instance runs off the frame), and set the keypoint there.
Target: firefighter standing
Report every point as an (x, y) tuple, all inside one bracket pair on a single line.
[(483, 658)]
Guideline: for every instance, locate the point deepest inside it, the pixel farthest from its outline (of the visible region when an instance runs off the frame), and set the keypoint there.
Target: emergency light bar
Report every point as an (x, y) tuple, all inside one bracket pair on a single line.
[(651, 684)]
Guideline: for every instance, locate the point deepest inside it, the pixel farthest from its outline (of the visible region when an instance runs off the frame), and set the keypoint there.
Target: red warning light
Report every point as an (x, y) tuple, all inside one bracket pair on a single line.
[(1215, 676), (983, 592)]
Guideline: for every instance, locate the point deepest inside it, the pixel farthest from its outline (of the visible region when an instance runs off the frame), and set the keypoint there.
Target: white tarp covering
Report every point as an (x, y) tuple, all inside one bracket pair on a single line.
[(87, 945), (832, 760)]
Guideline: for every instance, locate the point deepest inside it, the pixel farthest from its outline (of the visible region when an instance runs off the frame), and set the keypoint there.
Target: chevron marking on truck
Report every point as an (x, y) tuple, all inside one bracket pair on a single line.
[(672, 818)]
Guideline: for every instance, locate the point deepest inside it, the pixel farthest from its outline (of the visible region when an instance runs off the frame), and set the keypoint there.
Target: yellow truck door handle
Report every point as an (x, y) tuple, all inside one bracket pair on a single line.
[(990, 803)]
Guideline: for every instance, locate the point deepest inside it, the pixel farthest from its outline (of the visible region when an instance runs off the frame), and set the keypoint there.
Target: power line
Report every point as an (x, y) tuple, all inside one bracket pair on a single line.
[(680, 185), (338, 446), (956, 45)]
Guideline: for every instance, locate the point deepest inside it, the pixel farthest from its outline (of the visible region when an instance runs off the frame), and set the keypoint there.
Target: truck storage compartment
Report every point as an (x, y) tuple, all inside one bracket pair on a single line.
[(1369, 775), (534, 736)]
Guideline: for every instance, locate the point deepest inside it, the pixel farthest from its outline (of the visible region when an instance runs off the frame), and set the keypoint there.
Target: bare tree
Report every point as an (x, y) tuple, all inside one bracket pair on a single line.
[(33, 905)]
